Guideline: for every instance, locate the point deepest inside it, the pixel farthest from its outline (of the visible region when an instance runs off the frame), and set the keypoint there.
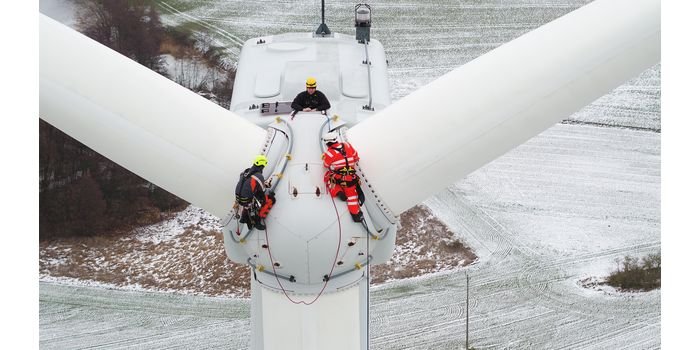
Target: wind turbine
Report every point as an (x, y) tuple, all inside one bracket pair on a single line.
[(308, 269)]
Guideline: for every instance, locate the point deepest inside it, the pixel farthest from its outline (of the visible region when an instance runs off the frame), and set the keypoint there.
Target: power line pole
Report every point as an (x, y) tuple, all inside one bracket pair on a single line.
[(467, 308)]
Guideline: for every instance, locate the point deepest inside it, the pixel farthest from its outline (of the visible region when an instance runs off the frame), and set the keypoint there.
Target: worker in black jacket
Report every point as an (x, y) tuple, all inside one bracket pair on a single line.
[(251, 196), (311, 99)]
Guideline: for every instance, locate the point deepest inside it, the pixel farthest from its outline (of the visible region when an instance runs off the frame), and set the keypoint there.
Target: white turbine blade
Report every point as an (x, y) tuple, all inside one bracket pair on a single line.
[(472, 115), (141, 120)]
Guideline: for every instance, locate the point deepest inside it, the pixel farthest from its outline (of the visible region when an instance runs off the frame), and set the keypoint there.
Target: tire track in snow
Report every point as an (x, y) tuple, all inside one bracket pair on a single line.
[(469, 221), (540, 280), (138, 318), (234, 39), (641, 342), (606, 337)]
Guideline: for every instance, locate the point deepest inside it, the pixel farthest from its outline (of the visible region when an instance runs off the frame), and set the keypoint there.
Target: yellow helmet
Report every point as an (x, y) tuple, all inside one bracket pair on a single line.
[(260, 160), (310, 82)]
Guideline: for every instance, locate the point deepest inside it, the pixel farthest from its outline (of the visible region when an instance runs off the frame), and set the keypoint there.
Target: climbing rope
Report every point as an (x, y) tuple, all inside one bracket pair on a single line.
[(368, 281)]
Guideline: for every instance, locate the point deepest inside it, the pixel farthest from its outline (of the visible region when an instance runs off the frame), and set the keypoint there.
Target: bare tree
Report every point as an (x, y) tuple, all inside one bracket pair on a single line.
[(130, 27)]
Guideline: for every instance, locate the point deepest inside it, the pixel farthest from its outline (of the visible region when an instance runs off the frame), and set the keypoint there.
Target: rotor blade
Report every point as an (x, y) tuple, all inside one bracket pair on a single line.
[(141, 120), (472, 115)]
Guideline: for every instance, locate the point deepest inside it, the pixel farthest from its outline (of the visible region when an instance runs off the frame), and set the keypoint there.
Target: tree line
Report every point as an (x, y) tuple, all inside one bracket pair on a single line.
[(84, 193)]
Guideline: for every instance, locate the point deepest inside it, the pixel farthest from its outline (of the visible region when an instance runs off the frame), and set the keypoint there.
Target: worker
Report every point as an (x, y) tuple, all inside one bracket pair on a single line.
[(251, 195), (311, 99), (340, 159)]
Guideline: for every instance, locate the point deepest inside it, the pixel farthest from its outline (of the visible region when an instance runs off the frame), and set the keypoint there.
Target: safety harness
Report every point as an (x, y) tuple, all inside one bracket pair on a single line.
[(346, 175), (247, 202), (252, 208)]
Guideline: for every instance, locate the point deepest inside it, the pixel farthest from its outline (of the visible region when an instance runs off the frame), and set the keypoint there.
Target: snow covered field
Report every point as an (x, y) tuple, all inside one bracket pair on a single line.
[(554, 211)]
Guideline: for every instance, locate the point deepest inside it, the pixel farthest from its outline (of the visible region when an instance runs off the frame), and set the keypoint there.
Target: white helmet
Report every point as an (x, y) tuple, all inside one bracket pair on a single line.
[(330, 137)]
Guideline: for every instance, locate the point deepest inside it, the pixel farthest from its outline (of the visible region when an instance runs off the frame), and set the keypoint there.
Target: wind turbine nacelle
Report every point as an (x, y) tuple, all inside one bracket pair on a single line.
[(311, 242)]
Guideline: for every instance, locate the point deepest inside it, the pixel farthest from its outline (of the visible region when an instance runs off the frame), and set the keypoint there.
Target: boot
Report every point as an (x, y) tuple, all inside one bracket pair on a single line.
[(260, 226), (245, 219), (357, 217)]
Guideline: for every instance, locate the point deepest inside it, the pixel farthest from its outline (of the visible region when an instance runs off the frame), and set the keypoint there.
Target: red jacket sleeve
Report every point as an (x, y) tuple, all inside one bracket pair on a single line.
[(352, 152)]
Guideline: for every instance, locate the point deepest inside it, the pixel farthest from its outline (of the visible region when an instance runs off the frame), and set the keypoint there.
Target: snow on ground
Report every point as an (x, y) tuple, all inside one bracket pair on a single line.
[(166, 230), (544, 219), (185, 254), (550, 214)]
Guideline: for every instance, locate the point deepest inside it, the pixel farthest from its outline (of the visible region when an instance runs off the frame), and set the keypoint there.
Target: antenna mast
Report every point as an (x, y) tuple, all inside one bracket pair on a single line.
[(323, 30)]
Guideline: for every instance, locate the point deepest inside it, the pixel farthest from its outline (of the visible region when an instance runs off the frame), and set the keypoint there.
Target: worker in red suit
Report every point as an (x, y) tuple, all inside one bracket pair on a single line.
[(340, 159)]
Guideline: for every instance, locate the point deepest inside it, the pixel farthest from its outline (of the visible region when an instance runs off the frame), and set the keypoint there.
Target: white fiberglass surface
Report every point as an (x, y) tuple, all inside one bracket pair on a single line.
[(143, 121)]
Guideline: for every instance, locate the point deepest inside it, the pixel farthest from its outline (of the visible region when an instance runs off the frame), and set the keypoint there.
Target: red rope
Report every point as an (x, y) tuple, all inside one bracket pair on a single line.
[(269, 252)]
